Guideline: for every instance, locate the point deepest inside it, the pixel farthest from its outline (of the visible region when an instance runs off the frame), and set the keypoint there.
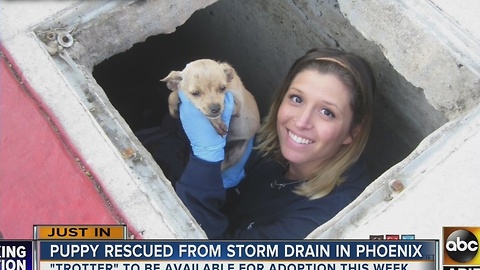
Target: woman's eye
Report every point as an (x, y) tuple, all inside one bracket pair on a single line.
[(296, 99), (327, 113)]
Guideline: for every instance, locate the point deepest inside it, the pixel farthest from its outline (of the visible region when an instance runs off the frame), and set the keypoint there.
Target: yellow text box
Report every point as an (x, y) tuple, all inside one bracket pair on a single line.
[(79, 232)]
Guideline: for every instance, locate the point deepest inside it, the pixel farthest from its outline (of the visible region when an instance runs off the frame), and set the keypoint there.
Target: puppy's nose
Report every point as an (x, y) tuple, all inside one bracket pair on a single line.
[(214, 108)]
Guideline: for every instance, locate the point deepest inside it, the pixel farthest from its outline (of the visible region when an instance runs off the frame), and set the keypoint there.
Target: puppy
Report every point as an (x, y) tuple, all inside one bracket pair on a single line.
[(205, 82)]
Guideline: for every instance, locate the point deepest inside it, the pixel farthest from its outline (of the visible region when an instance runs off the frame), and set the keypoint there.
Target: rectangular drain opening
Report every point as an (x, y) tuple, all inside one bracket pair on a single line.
[(119, 81)]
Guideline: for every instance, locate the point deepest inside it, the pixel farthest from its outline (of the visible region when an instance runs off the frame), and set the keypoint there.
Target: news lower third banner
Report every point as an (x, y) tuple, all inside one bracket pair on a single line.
[(235, 255)]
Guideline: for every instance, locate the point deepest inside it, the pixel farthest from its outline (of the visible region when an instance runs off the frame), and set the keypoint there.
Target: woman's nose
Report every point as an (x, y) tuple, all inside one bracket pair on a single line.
[(303, 119)]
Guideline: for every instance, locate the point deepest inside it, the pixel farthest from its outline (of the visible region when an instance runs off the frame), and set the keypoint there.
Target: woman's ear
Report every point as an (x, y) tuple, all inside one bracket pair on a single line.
[(349, 139)]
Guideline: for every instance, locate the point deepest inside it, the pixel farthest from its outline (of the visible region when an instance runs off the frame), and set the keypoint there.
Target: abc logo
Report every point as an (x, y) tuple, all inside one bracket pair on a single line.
[(461, 246)]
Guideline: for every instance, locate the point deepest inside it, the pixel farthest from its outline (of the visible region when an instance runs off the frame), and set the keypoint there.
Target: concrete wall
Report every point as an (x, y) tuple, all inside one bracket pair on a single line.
[(429, 48)]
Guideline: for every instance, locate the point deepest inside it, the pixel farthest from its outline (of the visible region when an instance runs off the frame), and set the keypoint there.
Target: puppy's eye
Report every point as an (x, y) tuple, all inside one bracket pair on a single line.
[(223, 88), (195, 93)]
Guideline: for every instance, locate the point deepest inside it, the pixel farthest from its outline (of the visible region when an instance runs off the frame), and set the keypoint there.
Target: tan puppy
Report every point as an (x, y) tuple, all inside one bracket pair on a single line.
[(205, 82)]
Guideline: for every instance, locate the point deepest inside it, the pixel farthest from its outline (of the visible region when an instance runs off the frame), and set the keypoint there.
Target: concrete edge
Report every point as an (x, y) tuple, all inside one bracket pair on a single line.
[(460, 43), (424, 57)]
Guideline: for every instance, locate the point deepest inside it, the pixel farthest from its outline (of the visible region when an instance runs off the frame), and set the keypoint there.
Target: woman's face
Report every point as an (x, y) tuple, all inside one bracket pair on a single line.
[(313, 120)]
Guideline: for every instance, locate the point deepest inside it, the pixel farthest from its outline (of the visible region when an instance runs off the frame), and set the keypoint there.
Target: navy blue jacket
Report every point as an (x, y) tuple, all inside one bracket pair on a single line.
[(258, 209)]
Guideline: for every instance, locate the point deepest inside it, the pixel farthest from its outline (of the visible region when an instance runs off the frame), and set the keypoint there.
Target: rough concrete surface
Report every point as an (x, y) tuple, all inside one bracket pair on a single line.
[(425, 58), (464, 13)]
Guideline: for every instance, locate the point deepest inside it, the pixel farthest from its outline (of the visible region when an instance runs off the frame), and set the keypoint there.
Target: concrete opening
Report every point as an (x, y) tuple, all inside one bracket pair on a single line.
[(261, 42), (122, 49)]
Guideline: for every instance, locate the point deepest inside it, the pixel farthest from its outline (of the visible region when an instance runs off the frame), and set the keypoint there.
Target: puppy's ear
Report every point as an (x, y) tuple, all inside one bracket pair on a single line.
[(172, 80), (228, 71)]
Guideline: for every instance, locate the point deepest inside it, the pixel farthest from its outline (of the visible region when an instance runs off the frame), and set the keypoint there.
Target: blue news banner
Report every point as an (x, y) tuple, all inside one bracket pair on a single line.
[(238, 255)]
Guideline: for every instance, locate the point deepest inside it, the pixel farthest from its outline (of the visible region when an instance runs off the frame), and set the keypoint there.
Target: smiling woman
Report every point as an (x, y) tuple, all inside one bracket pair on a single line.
[(320, 120), (313, 121), (307, 165)]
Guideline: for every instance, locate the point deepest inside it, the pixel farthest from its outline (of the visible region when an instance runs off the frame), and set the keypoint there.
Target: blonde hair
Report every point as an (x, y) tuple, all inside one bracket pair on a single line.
[(356, 74)]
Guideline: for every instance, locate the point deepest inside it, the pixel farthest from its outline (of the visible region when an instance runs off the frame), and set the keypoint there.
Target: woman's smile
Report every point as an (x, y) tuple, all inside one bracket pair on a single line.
[(298, 139)]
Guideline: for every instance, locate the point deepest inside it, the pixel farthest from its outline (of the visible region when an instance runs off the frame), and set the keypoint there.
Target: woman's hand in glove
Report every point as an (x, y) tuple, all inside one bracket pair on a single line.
[(206, 143)]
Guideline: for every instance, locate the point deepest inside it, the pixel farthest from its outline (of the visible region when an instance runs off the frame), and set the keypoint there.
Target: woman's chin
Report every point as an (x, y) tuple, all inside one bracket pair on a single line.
[(294, 156)]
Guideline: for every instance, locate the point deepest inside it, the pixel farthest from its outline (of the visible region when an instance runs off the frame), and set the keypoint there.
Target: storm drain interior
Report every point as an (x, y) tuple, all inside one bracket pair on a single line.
[(131, 79)]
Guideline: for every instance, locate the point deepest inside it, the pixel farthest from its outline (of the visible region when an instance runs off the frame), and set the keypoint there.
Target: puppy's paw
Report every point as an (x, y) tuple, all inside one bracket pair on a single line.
[(234, 151), (174, 111), (173, 103), (220, 127)]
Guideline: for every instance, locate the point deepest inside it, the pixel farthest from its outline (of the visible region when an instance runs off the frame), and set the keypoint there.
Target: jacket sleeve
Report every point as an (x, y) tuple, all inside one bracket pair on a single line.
[(201, 189)]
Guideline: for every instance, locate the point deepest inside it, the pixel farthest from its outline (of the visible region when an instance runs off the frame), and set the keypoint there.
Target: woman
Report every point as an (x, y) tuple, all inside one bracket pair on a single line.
[(306, 167)]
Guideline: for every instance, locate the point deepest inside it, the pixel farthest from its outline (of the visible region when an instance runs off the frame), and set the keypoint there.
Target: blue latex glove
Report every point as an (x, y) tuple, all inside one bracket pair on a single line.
[(206, 143), (233, 175)]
